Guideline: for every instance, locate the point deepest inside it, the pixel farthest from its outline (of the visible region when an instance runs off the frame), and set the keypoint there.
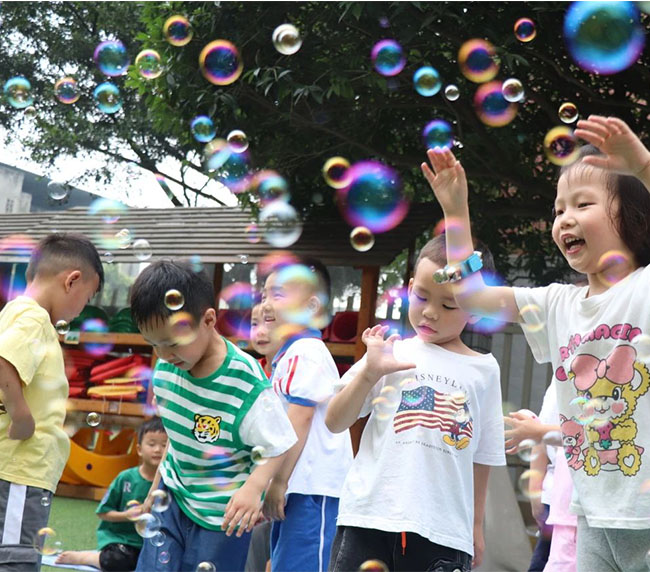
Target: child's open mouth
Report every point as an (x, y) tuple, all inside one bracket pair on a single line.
[(573, 244)]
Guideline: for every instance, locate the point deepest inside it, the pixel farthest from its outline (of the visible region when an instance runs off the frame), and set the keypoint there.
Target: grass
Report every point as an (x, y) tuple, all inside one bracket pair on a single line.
[(75, 523)]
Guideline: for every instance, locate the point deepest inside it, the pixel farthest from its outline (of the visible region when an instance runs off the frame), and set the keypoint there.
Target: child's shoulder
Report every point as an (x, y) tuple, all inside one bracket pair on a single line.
[(24, 308), (238, 361), (312, 348)]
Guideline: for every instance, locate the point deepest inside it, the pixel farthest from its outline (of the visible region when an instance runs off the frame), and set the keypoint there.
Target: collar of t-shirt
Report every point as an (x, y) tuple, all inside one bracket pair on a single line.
[(306, 333)]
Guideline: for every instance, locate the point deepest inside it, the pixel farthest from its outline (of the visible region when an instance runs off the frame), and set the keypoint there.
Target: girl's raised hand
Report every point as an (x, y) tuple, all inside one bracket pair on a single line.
[(623, 151), (446, 177)]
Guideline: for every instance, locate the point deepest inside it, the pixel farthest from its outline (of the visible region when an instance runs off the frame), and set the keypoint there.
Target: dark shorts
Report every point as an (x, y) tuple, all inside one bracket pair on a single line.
[(118, 557), (353, 546)]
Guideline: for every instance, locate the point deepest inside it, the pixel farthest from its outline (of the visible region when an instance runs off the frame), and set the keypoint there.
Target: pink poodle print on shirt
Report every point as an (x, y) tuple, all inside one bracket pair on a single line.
[(446, 412), (608, 390)]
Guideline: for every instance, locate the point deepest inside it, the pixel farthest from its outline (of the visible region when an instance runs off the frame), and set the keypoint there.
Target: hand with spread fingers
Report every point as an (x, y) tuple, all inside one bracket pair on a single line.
[(622, 150), (447, 179), (380, 360), (243, 510)]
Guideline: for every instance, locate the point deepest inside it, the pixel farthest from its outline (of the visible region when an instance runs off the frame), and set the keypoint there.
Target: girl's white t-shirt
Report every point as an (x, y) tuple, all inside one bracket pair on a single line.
[(600, 351), (427, 427)]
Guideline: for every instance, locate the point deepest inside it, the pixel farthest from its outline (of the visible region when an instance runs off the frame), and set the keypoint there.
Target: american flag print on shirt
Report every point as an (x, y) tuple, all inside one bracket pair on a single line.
[(426, 407)]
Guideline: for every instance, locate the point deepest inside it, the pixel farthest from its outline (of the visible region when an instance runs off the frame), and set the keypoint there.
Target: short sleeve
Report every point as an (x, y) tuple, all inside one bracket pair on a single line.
[(266, 424), (549, 413), (310, 374), (490, 449), (24, 345), (112, 498), (349, 375), (534, 305)]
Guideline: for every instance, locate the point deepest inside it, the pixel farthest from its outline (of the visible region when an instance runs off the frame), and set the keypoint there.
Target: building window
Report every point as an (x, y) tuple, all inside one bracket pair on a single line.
[(10, 206)]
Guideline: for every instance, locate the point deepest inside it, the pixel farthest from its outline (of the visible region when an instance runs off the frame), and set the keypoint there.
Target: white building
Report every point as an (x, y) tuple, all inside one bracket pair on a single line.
[(12, 197)]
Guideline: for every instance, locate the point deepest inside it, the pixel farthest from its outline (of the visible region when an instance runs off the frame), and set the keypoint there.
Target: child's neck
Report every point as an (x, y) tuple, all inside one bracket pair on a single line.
[(214, 356), (603, 281), (455, 345), (147, 471), (41, 294)]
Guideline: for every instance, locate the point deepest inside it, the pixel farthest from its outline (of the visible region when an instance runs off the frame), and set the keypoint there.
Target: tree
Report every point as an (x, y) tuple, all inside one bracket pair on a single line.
[(326, 99)]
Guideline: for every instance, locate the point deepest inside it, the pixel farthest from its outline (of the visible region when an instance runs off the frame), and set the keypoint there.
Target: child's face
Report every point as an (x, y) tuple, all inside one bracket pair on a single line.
[(152, 447), (77, 290), (583, 228), (433, 311), (181, 343), (262, 340)]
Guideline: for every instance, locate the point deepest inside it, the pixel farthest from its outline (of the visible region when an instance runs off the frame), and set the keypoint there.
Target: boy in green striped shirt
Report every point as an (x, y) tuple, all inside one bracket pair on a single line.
[(227, 429)]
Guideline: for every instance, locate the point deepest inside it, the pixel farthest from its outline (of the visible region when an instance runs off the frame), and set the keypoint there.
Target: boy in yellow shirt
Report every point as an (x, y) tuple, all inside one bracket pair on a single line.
[(64, 273)]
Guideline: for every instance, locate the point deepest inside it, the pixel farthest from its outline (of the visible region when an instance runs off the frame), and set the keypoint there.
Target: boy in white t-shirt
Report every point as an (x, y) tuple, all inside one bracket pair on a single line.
[(303, 497), (415, 495)]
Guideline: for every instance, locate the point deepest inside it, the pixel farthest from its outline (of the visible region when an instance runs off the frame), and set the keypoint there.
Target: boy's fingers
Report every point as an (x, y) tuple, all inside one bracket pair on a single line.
[(619, 124), (595, 161), (428, 174)]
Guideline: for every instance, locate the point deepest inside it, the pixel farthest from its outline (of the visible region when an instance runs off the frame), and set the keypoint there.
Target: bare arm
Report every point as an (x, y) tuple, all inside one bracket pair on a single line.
[(121, 516), (148, 502), (481, 476), (11, 387), (538, 466), (446, 177)]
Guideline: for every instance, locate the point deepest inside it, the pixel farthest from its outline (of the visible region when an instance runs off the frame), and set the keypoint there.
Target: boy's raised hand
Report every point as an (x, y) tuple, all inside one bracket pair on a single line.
[(447, 179), (623, 151), (380, 360)]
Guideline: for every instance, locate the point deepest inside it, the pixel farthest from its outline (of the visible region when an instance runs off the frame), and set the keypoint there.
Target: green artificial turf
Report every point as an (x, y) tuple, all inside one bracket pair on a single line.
[(75, 523)]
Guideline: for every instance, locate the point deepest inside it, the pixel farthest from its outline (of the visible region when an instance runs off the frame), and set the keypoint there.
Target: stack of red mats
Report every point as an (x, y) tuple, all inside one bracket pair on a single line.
[(120, 378), (78, 364)]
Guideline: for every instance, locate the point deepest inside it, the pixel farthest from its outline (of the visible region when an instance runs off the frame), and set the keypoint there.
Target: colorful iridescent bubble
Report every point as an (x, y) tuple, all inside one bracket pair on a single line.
[(174, 299), (107, 97), (232, 169), (96, 326), (604, 37), (45, 541), (512, 90), (66, 90), (18, 91), (335, 172), (161, 501), (452, 93), (373, 197), (147, 525), (142, 249), (268, 186), (108, 209), (525, 30), (237, 301), (373, 566), (362, 239), (111, 58), (613, 266), (220, 62), (561, 146), (477, 61), (286, 39), (206, 567), (252, 233), (281, 224), (203, 129), (526, 487), (388, 57), (568, 112), (57, 190), (237, 141), (178, 30), (182, 328), (392, 303), (525, 450), (532, 318), (426, 81), (62, 327), (491, 107), (438, 133), (149, 64)]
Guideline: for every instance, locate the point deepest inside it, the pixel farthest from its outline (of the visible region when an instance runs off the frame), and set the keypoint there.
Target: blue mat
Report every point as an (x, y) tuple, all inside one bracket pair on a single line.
[(51, 561)]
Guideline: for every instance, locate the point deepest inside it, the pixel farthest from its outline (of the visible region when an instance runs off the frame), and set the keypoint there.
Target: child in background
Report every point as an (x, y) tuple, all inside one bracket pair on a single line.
[(415, 495), (221, 418), (596, 336), (118, 544), (303, 497), (63, 274)]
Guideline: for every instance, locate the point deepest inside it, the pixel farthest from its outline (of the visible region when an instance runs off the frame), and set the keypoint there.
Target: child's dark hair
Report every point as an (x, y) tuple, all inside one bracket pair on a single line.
[(436, 251), (632, 221), (149, 289), (153, 425), (60, 251)]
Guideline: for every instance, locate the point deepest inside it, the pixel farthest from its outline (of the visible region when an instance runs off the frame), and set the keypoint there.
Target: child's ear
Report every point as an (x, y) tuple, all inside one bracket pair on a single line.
[(210, 317), (314, 304), (410, 286), (138, 448), (71, 278)]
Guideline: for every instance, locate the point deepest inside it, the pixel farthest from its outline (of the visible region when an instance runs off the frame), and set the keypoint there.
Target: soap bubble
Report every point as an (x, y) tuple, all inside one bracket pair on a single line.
[(45, 542), (335, 172), (373, 566), (492, 107), (362, 239), (257, 455), (438, 133), (178, 31), (108, 209), (133, 503), (147, 525), (238, 296), (286, 39), (220, 62), (202, 127), (532, 318), (568, 112), (388, 57), (182, 328), (93, 419), (18, 91), (281, 224), (46, 500), (158, 539), (66, 90), (477, 61), (232, 169), (527, 489), (109, 257), (252, 233), (427, 81), (161, 500), (451, 92), (62, 327), (164, 557), (613, 266), (57, 191), (107, 97), (561, 146), (174, 300), (553, 439), (111, 58), (512, 90), (142, 249), (30, 111), (604, 37), (641, 344), (123, 238), (237, 141), (96, 326), (206, 567), (149, 64), (525, 30), (269, 186), (373, 197), (525, 450)]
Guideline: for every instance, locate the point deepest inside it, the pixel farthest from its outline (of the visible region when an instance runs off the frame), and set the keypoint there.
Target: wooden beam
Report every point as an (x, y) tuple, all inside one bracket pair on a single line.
[(217, 282), (369, 283)]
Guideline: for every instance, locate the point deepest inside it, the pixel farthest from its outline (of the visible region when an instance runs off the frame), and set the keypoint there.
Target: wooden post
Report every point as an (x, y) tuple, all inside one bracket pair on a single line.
[(369, 283), (217, 282)]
